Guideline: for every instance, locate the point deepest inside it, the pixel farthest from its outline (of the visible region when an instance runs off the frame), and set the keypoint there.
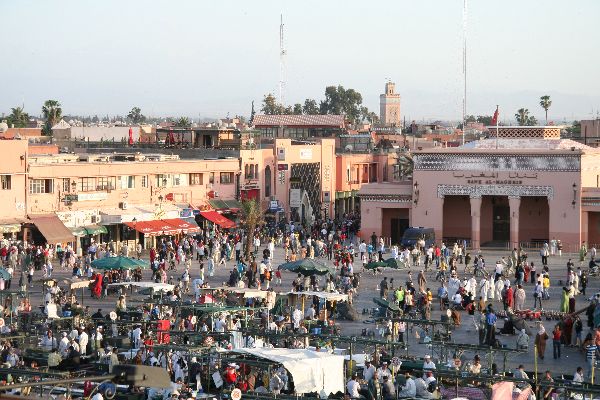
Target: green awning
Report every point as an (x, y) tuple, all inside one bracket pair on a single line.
[(218, 204), (78, 231), (96, 229)]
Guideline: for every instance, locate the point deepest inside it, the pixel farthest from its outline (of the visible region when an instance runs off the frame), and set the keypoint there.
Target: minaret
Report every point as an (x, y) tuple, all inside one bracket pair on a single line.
[(389, 106)]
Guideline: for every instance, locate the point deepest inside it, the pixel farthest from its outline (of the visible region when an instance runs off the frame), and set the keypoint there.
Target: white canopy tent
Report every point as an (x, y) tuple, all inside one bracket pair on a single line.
[(323, 295), (155, 287), (311, 371)]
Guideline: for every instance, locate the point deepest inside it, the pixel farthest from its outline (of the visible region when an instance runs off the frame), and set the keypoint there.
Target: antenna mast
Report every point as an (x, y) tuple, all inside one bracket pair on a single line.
[(281, 64), (464, 108)]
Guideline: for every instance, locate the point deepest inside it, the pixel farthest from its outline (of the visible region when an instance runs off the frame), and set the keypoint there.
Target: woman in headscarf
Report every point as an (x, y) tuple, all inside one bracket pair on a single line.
[(540, 340)]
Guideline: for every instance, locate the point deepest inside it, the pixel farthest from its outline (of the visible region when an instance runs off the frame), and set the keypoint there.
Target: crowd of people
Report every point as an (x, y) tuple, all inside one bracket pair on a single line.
[(466, 286)]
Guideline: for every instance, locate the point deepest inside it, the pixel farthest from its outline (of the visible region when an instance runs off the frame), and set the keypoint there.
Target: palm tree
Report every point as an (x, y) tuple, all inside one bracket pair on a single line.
[(52, 113), (18, 118), (252, 217), (403, 169), (545, 102), (183, 122), (522, 116)]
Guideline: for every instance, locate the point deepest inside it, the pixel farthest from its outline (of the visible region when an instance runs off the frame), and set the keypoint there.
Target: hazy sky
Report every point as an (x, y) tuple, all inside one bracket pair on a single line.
[(210, 58)]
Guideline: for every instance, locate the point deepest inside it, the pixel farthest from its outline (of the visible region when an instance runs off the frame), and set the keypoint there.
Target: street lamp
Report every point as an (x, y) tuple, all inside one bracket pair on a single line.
[(134, 223)]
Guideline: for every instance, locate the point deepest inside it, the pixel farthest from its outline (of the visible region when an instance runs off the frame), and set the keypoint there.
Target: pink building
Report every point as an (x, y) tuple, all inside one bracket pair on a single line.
[(524, 188)]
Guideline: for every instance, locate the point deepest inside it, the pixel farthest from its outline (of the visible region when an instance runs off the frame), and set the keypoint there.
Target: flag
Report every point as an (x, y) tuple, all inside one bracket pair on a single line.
[(495, 117), (130, 136)]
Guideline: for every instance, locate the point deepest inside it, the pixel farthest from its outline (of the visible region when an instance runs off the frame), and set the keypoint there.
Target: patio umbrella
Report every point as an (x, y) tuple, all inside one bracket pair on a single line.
[(307, 267), (118, 263), (395, 263), (376, 264), (386, 304), (4, 274)]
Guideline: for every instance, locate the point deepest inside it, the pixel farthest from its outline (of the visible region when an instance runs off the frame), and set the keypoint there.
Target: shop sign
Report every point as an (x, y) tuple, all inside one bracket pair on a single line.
[(91, 196), (283, 167), (306, 154), (274, 204), (295, 198), (185, 213)]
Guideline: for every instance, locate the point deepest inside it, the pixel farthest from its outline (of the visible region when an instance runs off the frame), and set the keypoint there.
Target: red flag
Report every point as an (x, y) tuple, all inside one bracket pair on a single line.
[(495, 117), (130, 136)]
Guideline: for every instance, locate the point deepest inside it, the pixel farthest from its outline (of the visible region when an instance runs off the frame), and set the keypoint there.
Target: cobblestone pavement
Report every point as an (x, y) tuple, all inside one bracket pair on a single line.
[(466, 333)]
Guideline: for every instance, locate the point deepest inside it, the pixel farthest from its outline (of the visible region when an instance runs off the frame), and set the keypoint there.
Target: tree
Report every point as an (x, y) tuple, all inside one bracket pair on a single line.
[(545, 102), (183, 122), (136, 116), (52, 114), (575, 129), (486, 120), (270, 105), (297, 109), (404, 166), (252, 217), (342, 101), (310, 107), (18, 118), (524, 119)]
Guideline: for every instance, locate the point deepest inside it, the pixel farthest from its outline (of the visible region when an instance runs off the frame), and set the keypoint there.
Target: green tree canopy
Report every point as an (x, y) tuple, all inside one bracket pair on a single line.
[(18, 118), (52, 112), (310, 107), (136, 116), (524, 119), (252, 217), (545, 103), (183, 122), (339, 100)]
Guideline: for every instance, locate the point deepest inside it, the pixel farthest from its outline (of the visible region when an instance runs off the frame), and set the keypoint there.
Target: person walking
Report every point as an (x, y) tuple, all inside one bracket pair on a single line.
[(540, 340), (538, 293), (556, 336)]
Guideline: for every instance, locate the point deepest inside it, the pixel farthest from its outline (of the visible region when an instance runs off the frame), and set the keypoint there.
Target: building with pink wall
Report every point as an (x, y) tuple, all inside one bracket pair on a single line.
[(521, 189)]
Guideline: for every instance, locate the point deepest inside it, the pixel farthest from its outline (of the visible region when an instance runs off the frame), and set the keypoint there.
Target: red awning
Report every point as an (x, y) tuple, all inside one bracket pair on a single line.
[(182, 225), (153, 228), (218, 219)]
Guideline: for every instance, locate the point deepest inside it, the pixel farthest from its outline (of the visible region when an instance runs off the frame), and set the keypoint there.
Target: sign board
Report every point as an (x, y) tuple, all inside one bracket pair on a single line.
[(92, 196), (274, 204), (185, 213), (306, 154), (283, 167), (326, 197), (70, 197), (281, 153), (295, 198)]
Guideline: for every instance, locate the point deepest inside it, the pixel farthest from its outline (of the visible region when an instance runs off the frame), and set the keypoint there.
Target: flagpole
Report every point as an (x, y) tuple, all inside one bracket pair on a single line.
[(497, 115)]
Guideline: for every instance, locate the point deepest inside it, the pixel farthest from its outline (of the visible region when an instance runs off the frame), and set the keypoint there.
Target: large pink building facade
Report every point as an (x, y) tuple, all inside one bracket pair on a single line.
[(521, 189)]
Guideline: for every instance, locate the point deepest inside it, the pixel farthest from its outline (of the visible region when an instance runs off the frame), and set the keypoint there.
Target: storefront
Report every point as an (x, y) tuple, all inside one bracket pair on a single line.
[(522, 189)]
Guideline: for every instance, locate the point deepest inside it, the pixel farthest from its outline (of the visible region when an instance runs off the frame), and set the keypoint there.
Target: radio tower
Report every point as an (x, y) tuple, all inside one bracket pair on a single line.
[(281, 64)]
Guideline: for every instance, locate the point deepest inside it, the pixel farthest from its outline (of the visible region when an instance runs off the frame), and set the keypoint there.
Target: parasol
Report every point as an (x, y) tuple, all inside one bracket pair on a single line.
[(119, 262), (395, 263), (376, 264), (4, 274), (386, 304), (307, 267)]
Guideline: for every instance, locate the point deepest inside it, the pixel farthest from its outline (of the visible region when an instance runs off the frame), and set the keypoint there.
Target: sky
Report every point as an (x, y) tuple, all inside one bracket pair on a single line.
[(212, 58)]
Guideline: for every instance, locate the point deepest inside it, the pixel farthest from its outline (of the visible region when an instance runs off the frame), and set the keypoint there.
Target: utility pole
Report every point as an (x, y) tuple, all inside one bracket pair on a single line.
[(282, 54)]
